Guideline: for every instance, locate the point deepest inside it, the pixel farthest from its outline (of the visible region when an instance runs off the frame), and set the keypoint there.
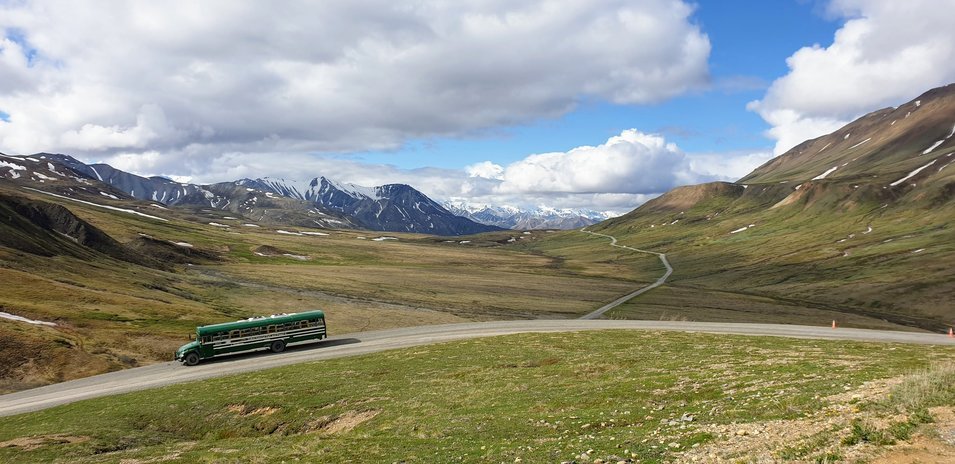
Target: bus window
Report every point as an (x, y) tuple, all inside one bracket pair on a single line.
[(271, 329), (234, 334)]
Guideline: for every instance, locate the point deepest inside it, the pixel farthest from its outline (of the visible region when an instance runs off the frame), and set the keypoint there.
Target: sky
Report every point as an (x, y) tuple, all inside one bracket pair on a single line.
[(598, 104)]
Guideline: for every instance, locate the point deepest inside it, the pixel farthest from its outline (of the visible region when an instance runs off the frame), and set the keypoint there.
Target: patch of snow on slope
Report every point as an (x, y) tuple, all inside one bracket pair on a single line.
[(860, 143), (12, 166), (183, 244), (251, 225), (285, 232), (825, 174), (846, 137), (742, 229), (14, 317), (109, 195), (217, 224), (918, 103), (936, 144), (919, 250), (911, 174), (354, 191), (868, 230), (99, 205), (382, 239), (823, 148)]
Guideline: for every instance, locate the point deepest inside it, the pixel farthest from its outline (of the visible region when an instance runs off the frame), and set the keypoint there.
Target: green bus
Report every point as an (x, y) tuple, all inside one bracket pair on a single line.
[(272, 332)]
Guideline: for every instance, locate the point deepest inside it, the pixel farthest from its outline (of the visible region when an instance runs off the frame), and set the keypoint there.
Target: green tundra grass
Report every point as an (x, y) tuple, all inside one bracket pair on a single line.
[(655, 397)]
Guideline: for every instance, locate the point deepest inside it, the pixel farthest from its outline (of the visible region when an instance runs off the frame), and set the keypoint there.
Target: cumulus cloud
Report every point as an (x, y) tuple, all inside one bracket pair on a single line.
[(97, 79), (619, 175), (887, 52), (632, 162), (486, 170)]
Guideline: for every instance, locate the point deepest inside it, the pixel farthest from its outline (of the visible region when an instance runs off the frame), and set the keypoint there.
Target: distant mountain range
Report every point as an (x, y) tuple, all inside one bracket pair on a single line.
[(320, 202), (510, 217)]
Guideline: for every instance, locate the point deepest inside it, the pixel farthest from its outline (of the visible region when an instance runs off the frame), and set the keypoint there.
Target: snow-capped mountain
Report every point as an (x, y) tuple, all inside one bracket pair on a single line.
[(511, 217), (320, 202), (392, 207)]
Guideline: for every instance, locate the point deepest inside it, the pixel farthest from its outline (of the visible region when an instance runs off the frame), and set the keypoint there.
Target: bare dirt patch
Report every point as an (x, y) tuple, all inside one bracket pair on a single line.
[(332, 425), (32, 443), (930, 448), (269, 250), (246, 410), (793, 440)]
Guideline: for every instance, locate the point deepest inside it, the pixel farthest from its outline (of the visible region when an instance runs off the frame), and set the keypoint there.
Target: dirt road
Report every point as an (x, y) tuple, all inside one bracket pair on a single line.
[(613, 242)]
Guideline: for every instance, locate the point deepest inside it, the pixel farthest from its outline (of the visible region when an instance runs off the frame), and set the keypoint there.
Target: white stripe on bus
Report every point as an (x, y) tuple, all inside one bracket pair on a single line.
[(239, 341)]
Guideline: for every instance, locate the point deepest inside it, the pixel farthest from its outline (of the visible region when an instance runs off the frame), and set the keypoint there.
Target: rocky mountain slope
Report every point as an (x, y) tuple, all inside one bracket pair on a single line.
[(392, 207), (857, 221)]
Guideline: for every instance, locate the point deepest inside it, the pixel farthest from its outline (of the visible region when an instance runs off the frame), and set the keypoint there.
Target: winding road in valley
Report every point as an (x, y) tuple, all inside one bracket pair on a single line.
[(619, 301), (169, 373)]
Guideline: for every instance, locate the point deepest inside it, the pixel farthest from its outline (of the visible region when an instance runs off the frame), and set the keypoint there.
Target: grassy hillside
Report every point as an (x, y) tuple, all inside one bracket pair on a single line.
[(890, 264), (652, 397), (855, 226), (136, 297)]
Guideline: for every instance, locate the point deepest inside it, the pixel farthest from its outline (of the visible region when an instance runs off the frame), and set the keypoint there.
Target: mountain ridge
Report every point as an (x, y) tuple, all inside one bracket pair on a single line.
[(320, 202)]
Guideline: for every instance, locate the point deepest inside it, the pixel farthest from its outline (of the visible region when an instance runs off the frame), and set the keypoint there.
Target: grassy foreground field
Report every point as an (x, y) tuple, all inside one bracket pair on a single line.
[(613, 395)]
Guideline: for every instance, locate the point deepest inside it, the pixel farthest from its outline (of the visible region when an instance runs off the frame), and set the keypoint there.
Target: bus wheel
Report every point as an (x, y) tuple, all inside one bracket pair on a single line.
[(191, 359), (278, 346)]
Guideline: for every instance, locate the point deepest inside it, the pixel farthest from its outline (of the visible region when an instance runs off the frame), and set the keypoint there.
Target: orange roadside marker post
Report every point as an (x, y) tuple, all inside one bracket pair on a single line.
[(833, 323), (951, 334)]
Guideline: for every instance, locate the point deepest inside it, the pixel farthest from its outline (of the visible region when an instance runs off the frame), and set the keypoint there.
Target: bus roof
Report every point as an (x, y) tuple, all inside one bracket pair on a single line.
[(258, 322)]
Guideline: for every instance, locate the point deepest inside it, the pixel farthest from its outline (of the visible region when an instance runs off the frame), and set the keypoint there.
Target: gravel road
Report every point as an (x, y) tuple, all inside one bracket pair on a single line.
[(370, 342), (619, 301)]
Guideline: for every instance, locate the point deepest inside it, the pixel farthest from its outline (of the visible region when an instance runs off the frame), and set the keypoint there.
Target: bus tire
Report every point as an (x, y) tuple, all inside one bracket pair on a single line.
[(191, 359), (277, 346)]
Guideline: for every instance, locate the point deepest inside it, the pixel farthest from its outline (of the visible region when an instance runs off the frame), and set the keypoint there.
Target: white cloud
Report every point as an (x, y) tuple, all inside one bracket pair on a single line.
[(726, 166), (222, 76), (887, 52), (620, 174), (632, 162), (486, 170)]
